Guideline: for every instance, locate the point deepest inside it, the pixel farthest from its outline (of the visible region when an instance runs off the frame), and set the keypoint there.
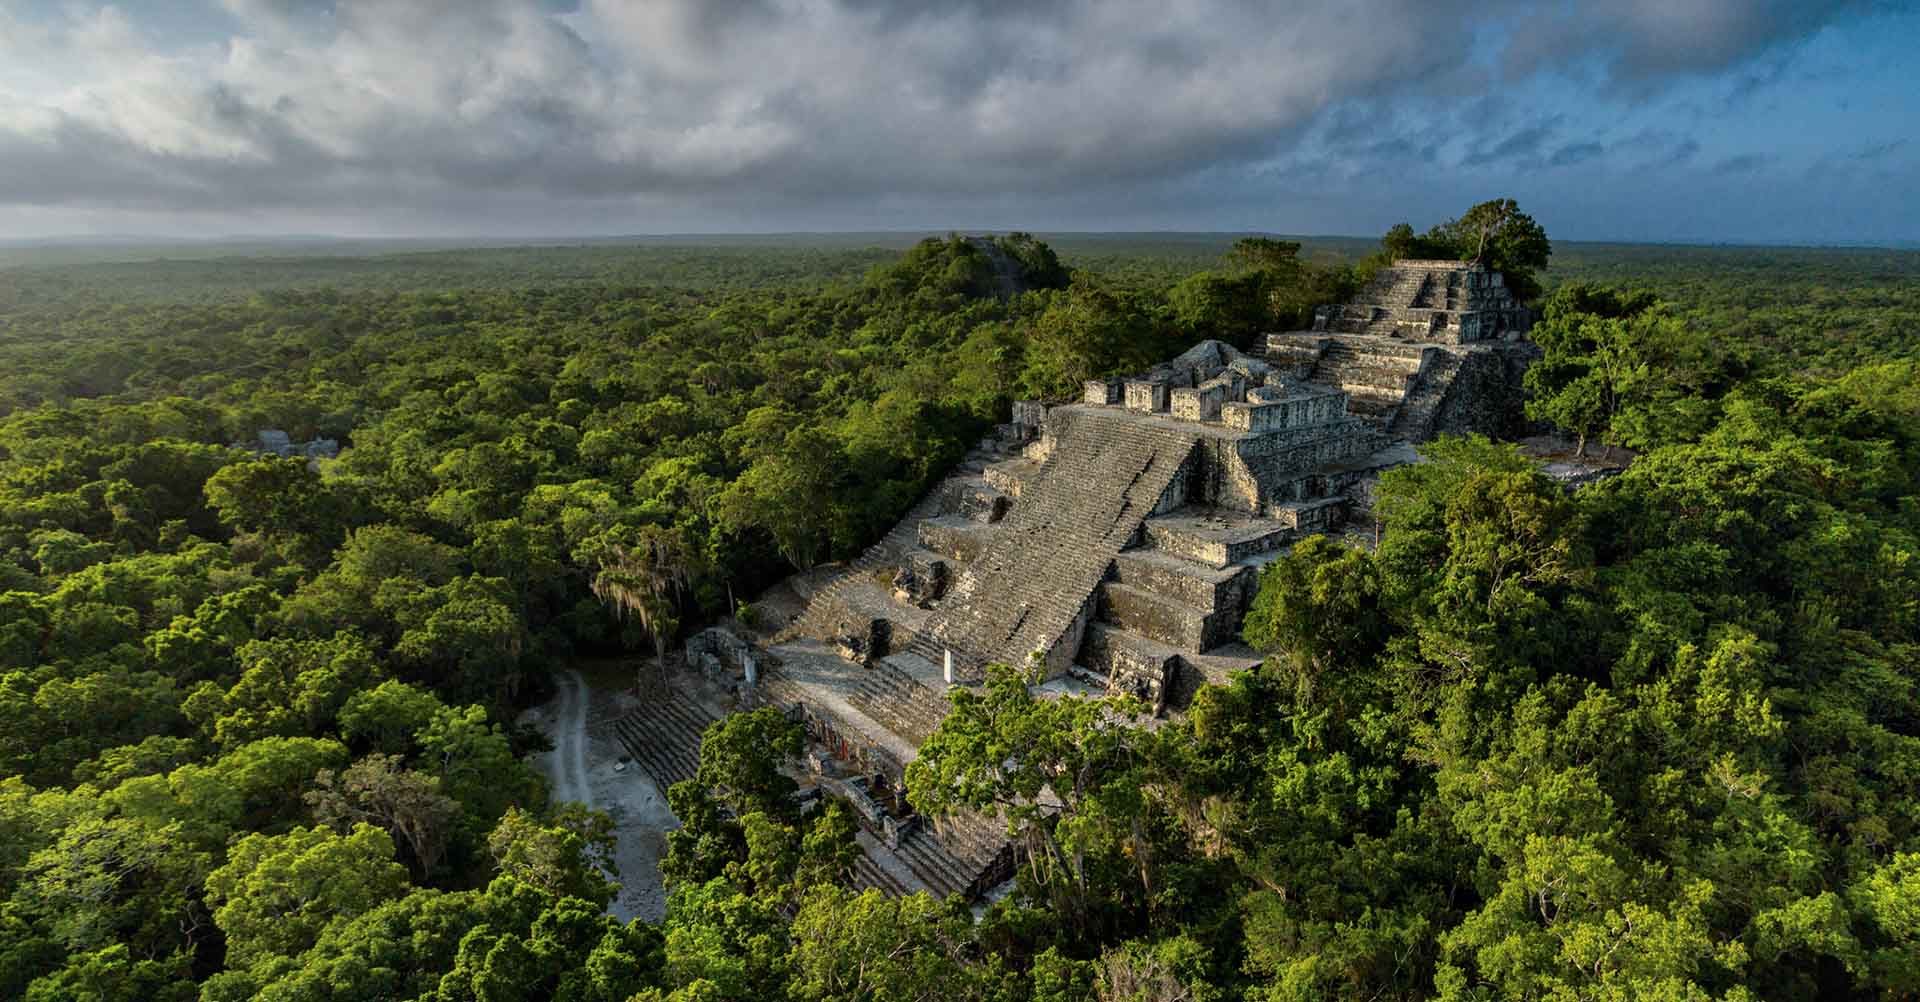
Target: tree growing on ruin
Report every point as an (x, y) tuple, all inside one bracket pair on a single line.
[(1090, 330), (1497, 234), (1494, 233), (741, 760), (1066, 774), (1318, 610)]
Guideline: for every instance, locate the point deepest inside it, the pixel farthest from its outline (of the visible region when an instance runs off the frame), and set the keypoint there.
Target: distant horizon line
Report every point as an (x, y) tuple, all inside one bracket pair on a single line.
[(127, 240)]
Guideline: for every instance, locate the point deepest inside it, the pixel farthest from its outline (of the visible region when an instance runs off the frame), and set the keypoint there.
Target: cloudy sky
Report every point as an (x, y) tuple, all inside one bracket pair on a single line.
[(1741, 120)]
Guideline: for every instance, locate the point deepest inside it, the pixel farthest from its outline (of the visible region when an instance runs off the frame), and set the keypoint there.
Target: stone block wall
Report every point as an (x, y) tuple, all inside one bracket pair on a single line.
[(1213, 551), (1486, 395), (1289, 411), (1232, 383), (1239, 473), (1144, 672), (1146, 396), (1199, 403), (1104, 392), (1183, 683), (1448, 302)]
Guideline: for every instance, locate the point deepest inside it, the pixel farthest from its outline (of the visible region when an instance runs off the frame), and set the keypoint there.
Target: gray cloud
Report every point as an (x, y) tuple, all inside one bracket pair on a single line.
[(1645, 40), (483, 105), (1743, 163), (1878, 151), (1522, 144), (1682, 152), (1573, 153)]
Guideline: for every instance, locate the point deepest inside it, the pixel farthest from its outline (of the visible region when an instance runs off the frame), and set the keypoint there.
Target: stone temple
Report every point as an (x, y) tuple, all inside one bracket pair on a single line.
[(1112, 544)]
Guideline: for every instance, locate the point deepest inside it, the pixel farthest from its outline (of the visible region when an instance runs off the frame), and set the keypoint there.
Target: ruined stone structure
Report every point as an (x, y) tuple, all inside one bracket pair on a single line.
[(1427, 348), (1112, 544), (1442, 301), (274, 442)]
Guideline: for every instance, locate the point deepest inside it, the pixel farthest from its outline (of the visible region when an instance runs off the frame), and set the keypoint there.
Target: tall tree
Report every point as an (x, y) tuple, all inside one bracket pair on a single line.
[(408, 805), (1497, 234), (1066, 774), (277, 892), (641, 571)]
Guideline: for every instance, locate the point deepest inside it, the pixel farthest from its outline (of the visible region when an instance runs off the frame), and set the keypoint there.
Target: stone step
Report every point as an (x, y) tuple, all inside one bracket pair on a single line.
[(661, 764), (1293, 344), (820, 618), (1216, 539), (974, 498), (975, 839), (956, 537), (1173, 576), (918, 668), (1119, 653), (1414, 422), (1215, 667), (916, 706), (1026, 589), (664, 738), (1367, 402), (942, 874), (868, 874), (960, 857), (1218, 665), (1011, 476), (1175, 624), (1384, 349), (975, 847), (1316, 515), (1366, 369)]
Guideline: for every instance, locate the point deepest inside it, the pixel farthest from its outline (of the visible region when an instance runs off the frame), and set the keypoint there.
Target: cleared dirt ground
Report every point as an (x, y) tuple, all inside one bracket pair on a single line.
[(585, 766)]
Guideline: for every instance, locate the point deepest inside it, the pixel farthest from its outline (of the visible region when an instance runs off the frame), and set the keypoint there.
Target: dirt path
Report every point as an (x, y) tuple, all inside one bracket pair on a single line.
[(570, 741), (586, 765)]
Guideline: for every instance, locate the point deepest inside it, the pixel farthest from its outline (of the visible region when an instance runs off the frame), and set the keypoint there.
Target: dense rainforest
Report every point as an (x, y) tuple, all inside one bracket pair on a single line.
[(1655, 737)]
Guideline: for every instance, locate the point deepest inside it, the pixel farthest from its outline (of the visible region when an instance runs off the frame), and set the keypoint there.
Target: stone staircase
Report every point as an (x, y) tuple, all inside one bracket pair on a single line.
[(1389, 303), (1034, 579), (967, 855), (1169, 618), (1449, 295), (828, 606), (1375, 374), (664, 737), (1295, 354), (1440, 301), (897, 701), (868, 874), (1170, 622), (1413, 420), (881, 715)]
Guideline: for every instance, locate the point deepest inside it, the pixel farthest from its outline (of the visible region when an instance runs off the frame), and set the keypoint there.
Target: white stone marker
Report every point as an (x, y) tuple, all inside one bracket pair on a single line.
[(947, 656)]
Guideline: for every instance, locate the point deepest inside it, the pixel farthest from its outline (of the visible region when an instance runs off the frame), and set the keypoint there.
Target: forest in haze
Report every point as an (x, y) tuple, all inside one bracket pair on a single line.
[(1658, 737)]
